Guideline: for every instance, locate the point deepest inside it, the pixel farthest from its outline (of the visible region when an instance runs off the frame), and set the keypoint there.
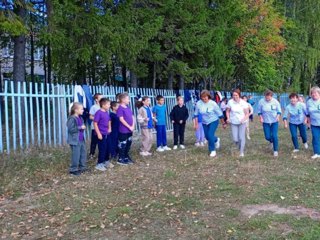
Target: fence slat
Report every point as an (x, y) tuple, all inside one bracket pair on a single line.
[(6, 110), (38, 115), (14, 128), (49, 114), (43, 107), (31, 113), (20, 116), (54, 117), (26, 115)]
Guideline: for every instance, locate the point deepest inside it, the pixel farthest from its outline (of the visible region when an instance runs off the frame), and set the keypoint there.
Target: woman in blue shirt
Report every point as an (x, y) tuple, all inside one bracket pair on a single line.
[(313, 109), (210, 112), (296, 113), (269, 110)]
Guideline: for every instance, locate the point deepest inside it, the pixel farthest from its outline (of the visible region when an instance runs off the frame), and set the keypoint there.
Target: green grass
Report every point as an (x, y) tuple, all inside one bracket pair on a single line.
[(179, 194)]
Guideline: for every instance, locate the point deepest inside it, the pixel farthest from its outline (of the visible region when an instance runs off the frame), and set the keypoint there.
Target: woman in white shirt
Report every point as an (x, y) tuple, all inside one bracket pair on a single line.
[(238, 115)]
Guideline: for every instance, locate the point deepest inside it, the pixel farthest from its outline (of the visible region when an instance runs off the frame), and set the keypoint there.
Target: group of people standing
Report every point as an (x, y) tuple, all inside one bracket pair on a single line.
[(114, 123)]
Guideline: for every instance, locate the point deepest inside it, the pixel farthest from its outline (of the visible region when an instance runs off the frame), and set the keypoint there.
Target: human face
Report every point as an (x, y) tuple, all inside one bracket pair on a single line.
[(236, 96), (79, 110), (115, 109), (125, 100), (146, 102), (268, 98), (315, 95), (180, 101), (293, 100), (98, 99), (161, 101), (205, 99), (245, 99), (106, 106)]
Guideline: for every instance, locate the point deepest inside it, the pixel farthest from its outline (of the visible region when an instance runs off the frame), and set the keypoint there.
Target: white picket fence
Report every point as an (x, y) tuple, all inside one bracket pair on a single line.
[(35, 114)]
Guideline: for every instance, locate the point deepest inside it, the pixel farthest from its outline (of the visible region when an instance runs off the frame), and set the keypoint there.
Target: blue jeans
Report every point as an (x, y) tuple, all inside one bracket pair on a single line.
[(102, 145), (271, 134), (294, 133), (315, 130), (161, 135), (209, 132)]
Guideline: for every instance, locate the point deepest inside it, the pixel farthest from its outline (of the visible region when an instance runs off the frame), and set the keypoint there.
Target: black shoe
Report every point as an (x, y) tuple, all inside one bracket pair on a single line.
[(75, 173), (87, 170), (129, 160)]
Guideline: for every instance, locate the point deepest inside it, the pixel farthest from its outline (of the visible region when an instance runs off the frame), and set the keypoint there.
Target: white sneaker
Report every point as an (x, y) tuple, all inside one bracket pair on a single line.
[(315, 156), (275, 154), (295, 150), (271, 146), (241, 155), (306, 146), (197, 144), (160, 149), (248, 137), (100, 167), (166, 148), (175, 147), (217, 144), (213, 154), (148, 153), (144, 154), (182, 146), (202, 144)]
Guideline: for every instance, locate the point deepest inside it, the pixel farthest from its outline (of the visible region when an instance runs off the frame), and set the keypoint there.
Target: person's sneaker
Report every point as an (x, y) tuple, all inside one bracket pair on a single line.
[(129, 160), (75, 173), (122, 162), (100, 167), (160, 149), (306, 146), (275, 154), (217, 144), (241, 155), (166, 148), (144, 154), (91, 156), (271, 145), (315, 156), (175, 147), (295, 150), (197, 144), (248, 137), (108, 164), (213, 154), (182, 146), (202, 144)]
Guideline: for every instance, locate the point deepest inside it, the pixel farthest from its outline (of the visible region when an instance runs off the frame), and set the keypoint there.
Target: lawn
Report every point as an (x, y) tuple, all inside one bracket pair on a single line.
[(180, 194)]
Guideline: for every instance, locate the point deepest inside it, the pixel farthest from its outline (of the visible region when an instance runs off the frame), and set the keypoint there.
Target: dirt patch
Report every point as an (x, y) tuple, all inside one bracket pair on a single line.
[(297, 211)]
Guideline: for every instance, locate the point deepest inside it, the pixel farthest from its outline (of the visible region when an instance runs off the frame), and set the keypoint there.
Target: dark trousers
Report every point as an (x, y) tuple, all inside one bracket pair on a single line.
[(113, 142), (94, 142), (78, 157), (103, 148), (161, 135), (178, 133), (125, 141)]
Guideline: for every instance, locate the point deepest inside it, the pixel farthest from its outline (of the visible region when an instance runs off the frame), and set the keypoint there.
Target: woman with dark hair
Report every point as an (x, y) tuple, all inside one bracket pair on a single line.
[(211, 113), (238, 115), (269, 110), (295, 114)]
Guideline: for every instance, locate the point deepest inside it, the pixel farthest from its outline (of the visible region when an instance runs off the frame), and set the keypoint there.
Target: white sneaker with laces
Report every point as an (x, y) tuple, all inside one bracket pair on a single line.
[(306, 146), (202, 144), (144, 154), (160, 149), (100, 167), (241, 155), (166, 148), (217, 144), (175, 147), (248, 137), (315, 156), (275, 154), (197, 144), (149, 153), (295, 150), (213, 154), (182, 146)]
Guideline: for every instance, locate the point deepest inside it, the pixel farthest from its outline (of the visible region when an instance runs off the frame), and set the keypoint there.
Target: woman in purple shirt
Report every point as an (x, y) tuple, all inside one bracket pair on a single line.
[(126, 128)]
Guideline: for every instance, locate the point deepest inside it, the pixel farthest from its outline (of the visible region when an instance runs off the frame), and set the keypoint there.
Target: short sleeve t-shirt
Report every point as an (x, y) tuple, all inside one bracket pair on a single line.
[(237, 110), (93, 111), (102, 119), (160, 111), (127, 115)]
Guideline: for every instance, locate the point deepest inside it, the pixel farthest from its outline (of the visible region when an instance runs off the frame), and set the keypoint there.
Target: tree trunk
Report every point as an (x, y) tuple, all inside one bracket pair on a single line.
[(32, 56), (49, 63), (170, 81), (133, 80), (181, 83), (124, 78), (154, 80), (49, 19)]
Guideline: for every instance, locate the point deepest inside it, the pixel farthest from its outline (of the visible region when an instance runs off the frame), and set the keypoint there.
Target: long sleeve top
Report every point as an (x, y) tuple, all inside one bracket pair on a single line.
[(178, 114)]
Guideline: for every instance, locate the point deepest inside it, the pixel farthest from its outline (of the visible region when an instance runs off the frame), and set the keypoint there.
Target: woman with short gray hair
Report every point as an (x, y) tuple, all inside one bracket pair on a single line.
[(313, 109)]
